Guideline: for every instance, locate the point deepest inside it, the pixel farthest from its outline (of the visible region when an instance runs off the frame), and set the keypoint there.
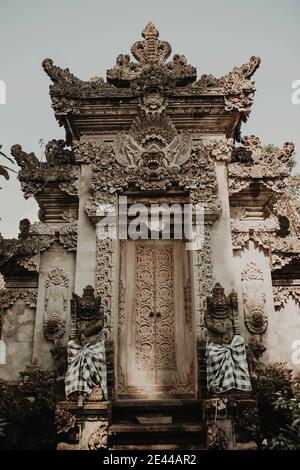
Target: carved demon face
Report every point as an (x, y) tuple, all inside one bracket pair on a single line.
[(153, 164), (219, 295), (88, 291)]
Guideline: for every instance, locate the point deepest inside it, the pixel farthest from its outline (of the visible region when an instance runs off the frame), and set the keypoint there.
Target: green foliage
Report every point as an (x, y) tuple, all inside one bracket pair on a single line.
[(28, 408), (278, 409)]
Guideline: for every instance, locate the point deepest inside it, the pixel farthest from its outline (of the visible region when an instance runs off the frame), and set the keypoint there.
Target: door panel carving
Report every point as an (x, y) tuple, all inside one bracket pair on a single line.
[(156, 334), (145, 326), (164, 318)]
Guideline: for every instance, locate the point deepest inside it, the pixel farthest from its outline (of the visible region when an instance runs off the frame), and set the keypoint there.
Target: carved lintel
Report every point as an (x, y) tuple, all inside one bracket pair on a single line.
[(282, 293), (8, 297), (65, 234), (261, 232)]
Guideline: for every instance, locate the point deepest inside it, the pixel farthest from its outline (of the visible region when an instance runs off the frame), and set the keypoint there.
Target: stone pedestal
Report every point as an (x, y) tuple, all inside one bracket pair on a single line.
[(83, 428), (230, 423)]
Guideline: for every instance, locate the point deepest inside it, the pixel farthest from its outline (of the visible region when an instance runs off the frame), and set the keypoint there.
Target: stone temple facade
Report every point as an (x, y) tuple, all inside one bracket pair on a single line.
[(156, 133)]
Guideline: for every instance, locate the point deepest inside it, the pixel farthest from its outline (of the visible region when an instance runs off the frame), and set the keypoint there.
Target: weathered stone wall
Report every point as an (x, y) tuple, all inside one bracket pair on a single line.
[(286, 330), (54, 257), (17, 333)]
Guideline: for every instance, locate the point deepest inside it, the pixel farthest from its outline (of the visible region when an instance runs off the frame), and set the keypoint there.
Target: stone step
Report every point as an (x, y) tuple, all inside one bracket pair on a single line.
[(129, 427), (179, 434), (158, 446), (175, 411)]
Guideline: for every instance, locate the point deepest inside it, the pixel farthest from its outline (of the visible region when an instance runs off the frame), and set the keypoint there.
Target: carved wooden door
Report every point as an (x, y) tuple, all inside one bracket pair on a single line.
[(156, 341)]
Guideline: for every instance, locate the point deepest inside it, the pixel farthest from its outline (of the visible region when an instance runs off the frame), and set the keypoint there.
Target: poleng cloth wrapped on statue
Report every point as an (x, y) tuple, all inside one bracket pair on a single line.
[(86, 367), (227, 367)]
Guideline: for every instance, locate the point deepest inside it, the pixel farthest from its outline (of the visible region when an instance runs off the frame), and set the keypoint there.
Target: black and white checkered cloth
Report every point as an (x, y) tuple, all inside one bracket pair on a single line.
[(86, 367), (227, 366)]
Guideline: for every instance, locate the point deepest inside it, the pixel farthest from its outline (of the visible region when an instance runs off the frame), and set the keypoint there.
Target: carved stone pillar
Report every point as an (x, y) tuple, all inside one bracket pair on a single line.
[(83, 428)]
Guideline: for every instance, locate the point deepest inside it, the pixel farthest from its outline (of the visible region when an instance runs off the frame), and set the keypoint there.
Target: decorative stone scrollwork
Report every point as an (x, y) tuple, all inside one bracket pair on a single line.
[(105, 283), (150, 52), (57, 172), (20, 252), (86, 151), (154, 157), (67, 88), (8, 297), (254, 299), (221, 149), (98, 439), (188, 308), (65, 234), (56, 301), (153, 147), (261, 232), (266, 165), (239, 88), (203, 282), (282, 293), (216, 437)]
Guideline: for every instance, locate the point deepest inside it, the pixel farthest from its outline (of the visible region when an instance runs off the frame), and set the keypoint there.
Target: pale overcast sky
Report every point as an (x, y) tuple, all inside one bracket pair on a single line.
[(86, 36)]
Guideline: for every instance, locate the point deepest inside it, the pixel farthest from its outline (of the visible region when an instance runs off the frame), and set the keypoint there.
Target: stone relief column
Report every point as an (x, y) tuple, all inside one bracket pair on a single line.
[(53, 319), (222, 251), (106, 287), (258, 322), (56, 300)]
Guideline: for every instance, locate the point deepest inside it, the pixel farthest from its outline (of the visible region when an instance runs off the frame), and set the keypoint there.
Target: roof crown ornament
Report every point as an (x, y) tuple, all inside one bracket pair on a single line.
[(151, 50)]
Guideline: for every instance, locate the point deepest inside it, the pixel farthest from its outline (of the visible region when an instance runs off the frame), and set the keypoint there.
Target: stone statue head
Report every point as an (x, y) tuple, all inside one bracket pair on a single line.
[(219, 294), (88, 291), (89, 304), (24, 227)]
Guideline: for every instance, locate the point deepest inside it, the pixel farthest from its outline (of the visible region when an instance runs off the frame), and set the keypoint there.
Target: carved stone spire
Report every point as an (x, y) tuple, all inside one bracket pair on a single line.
[(151, 55), (151, 50)]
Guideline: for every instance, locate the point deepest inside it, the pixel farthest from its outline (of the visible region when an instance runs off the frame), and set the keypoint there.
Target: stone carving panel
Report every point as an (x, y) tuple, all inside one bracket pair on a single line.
[(265, 165), (203, 282), (98, 439), (282, 293), (8, 297), (56, 300), (145, 309), (105, 271), (65, 234), (165, 321), (155, 344), (58, 171), (254, 299), (188, 308)]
